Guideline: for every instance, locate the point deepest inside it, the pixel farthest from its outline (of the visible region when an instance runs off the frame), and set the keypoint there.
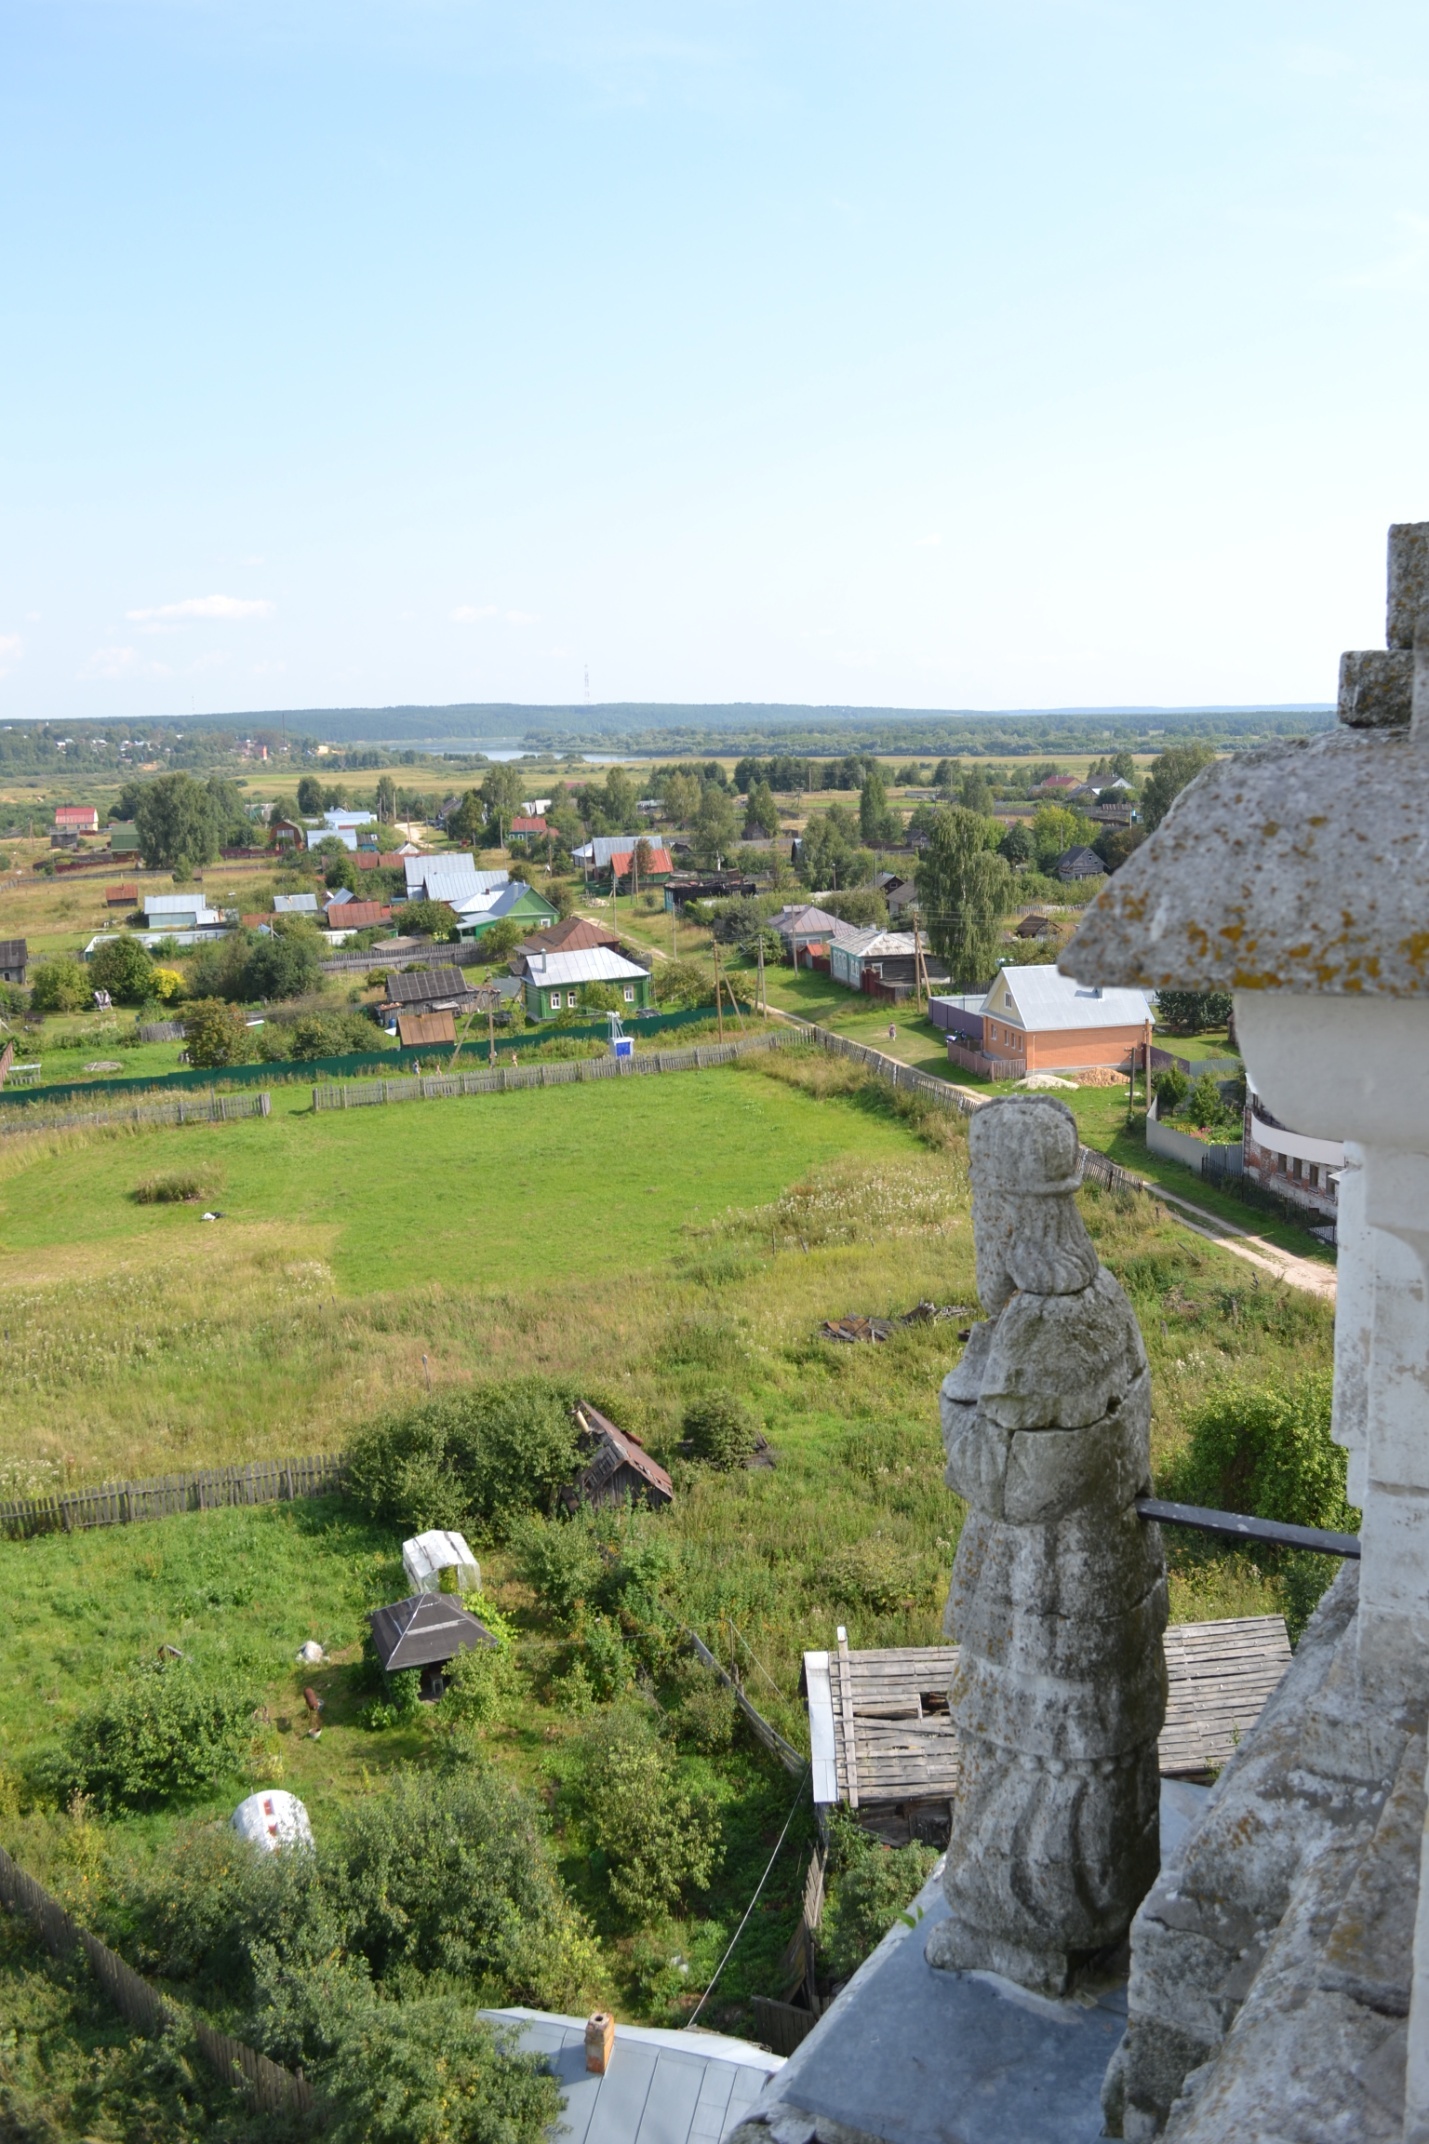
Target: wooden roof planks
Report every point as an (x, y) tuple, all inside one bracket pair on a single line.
[(881, 1732)]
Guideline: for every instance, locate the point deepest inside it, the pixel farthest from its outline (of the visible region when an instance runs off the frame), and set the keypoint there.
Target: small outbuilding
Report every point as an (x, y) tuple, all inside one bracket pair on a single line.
[(618, 1466), (425, 1632), (272, 1819), (14, 957), (425, 1030), (426, 1556)]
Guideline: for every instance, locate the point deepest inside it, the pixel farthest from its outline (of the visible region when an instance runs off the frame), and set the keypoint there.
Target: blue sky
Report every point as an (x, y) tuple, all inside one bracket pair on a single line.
[(1032, 352)]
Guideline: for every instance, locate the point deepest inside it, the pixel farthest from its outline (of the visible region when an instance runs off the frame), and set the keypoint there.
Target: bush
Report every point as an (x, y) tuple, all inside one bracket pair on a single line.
[(870, 1574), (1266, 1450), (601, 998), (560, 1560), (489, 1452), (678, 984), (1189, 1012), (450, 1872), (657, 1837), (165, 1733), (59, 986), (166, 985), (1207, 1107), (216, 1034), (721, 1430), (430, 919), (123, 968), (426, 2071), (866, 1897), (1171, 1089)]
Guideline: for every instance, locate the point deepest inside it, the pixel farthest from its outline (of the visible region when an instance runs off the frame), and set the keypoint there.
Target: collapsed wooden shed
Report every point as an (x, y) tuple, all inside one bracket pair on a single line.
[(617, 1466), (882, 1741)]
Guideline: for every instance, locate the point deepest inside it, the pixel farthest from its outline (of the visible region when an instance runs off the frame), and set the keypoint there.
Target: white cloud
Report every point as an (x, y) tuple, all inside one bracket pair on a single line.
[(468, 613), (227, 608), (11, 649), (110, 662)]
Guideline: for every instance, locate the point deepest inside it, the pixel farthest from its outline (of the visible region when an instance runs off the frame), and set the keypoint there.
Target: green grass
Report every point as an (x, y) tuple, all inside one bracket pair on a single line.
[(663, 1240)]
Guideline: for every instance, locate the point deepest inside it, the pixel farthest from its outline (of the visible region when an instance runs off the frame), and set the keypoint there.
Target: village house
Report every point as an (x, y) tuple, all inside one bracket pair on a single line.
[(527, 826), (287, 834), (1035, 925), (14, 954), (351, 915), (554, 981), (1035, 1019), (76, 819), (179, 912), (626, 869), (453, 877), (805, 929), (882, 963), (1306, 1171), (574, 934), (514, 902), (295, 904), (1078, 863), (439, 989)]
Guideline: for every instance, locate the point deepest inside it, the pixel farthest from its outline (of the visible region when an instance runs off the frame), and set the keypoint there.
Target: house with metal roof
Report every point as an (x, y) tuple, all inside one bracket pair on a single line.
[(353, 915), (452, 877), (295, 904), (572, 934), (862, 960), (596, 853), (1035, 1019), (554, 981), (625, 869), (658, 2086), (514, 902), (426, 1631), (179, 912), (803, 927)]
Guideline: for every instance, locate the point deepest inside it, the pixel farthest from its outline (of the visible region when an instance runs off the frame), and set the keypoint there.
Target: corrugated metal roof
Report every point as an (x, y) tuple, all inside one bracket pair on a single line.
[(660, 2087), (295, 904), (456, 869), (860, 944), (425, 985), (600, 850), (1042, 998), (588, 964), (424, 1631), (660, 860)]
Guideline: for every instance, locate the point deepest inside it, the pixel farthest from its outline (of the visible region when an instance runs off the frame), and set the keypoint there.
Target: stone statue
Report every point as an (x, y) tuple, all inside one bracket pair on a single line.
[(1058, 1599)]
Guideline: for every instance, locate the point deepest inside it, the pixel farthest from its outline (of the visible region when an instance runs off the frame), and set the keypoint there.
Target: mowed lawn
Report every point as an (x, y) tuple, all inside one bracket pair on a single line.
[(532, 1186)]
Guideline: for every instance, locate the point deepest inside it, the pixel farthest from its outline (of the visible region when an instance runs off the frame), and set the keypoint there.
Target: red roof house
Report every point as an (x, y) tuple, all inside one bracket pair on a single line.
[(357, 915), (660, 865), (76, 819), (528, 826)]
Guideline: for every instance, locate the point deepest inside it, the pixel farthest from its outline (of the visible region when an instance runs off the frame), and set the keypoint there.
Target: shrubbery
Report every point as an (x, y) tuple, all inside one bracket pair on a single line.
[(1266, 1450), (216, 1034), (870, 1886), (59, 986), (123, 968), (656, 1837), (488, 1452), (166, 1733), (721, 1429)]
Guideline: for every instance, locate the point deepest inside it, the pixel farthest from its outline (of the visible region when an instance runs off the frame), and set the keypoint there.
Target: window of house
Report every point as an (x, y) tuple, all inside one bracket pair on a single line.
[(1295, 1167), (630, 993), (1314, 1174), (571, 1000)]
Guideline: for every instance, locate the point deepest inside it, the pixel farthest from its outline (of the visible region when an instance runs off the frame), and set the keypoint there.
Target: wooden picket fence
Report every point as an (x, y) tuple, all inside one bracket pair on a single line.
[(209, 1108), (503, 1079), (265, 2084), (261, 1481)]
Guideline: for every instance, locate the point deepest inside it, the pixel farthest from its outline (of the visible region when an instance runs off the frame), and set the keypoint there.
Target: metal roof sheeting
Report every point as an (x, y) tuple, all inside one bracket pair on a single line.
[(1043, 998), (659, 2088), (588, 964), (424, 1631), (600, 850)]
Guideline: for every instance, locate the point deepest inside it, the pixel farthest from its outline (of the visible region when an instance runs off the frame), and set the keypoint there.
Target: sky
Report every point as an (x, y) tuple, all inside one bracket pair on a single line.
[(986, 353)]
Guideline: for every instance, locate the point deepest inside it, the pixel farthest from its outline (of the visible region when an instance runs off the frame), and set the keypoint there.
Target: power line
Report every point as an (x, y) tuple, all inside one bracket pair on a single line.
[(724, 1961)]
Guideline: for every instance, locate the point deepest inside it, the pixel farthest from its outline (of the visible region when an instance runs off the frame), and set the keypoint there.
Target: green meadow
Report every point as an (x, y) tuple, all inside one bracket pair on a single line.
[(660, 1241)]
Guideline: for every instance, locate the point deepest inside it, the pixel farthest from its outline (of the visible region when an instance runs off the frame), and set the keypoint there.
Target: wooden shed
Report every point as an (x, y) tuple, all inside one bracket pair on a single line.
[(421, 1029), (618, 1466), (425, 1632), (882, 1740), (121, 896)]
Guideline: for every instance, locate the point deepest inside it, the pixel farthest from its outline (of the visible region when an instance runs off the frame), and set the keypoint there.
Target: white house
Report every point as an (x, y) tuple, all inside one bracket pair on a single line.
[(453, 877)]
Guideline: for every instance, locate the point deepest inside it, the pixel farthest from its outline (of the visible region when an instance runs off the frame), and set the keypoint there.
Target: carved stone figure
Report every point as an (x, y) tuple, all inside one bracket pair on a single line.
[(1058, 1599)]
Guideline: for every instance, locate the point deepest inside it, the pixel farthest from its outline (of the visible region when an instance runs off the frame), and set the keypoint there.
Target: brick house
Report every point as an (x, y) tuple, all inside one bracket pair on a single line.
[(1304, 1170), (1035, 1019)]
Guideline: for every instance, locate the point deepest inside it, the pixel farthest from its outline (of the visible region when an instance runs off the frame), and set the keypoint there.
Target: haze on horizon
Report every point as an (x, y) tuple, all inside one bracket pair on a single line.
[(1053, 353)]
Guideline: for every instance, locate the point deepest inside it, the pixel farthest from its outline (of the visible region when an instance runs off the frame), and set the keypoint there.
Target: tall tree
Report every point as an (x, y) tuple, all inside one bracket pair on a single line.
[(310, 796), (964, 890), (386, 799), (175, 822), (502, 793), (1170, 774), (716, 826)]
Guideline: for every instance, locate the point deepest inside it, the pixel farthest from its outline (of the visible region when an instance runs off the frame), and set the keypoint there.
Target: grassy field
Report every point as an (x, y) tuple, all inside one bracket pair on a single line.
[(661, 1241)]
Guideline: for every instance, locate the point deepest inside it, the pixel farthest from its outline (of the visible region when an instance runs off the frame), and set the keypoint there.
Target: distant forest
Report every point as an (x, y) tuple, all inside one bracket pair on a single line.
[(653, 728)]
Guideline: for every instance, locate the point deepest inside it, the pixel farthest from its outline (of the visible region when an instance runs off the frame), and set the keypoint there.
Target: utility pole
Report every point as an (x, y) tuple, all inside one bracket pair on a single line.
[(763, 1001), (920, 976), (719, 1007)]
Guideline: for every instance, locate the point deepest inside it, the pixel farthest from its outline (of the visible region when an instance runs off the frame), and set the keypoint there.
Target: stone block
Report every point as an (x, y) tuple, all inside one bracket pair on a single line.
[(1376, 688), (1408, 610)]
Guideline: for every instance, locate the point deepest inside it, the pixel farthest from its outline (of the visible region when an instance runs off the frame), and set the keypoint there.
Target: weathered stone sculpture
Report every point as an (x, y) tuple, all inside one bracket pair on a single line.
[(1058, 1599)]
